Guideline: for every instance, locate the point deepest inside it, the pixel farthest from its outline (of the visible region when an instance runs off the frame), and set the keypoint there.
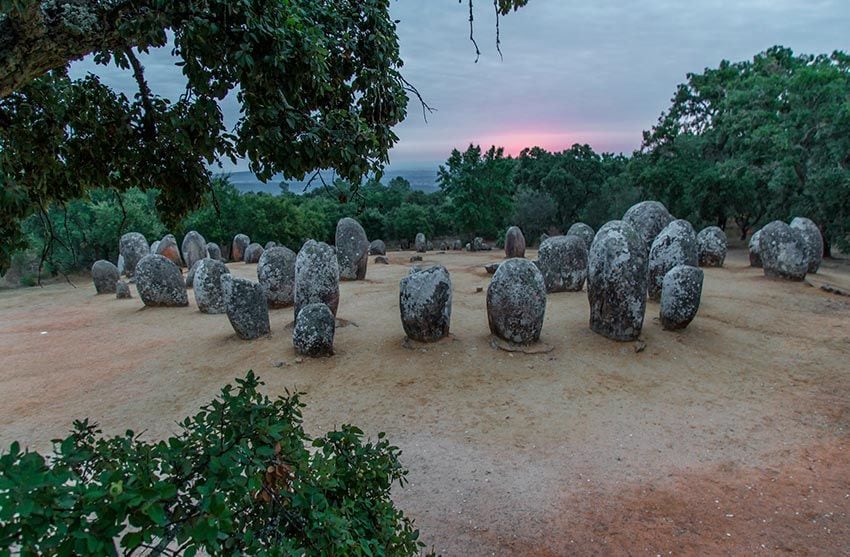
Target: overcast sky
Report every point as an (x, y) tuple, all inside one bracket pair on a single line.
[(574, 71)]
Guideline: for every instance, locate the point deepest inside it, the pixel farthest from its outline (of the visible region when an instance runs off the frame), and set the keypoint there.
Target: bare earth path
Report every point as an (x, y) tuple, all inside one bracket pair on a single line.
[(730, 438)]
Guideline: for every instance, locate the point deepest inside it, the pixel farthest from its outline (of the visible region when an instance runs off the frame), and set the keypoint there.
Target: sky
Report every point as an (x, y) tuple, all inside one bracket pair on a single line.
[(574, 71)]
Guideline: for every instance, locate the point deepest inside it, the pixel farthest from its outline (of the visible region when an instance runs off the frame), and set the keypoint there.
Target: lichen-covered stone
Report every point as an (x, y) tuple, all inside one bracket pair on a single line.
[(814, 241), (420, 244), (160, 282), (104, 275), (314, 330), (276, 273), (648, 218), (675, 245), (167, 247), (478, 244), (680, 296), (516, 302), (238, 247), (270, 244), (194, 248), (783, 250), (316, 276), (206, 283), (583, 231), (132, 247), (563, 262), (457, 245), (711, 243), (352, 249), (213, 251), (755, 256), (514, 243), (122, 290), (425, 301), (377, 247), (253, 253), (617, 281), (382, 259), (246, 307)]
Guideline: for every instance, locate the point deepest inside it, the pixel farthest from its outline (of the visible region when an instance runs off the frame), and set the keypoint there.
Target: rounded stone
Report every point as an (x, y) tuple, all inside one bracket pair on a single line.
[(377, 247), (207, 285), (457, 245), (514, 243), (425, 301), (675, 245), (648, 218), (253, 253), (420, 244), (316, 276), (516, 302), (122, 290), (711, 243), (617, 281), (245, 306), (352, 249), (755, 256), (238, 247), (583, 231), (783, 250), (563, 262), (104, 275), (404, 244), (160, 282), (194, 248), (680, 296), (276, 273), (313, 334), (167, 247), (814, 241), (213, 251), (132, 247)]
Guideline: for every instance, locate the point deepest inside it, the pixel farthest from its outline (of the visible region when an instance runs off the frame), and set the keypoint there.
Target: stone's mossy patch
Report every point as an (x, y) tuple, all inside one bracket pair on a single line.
[(563, 262), (246, 308), (316, 276), (313, 334), (680, 296), (516, 302), (207, 285), (675, 245), (276, 273), (711, 242), (784, 253), (425, 302), (160, 282), (352, 249)]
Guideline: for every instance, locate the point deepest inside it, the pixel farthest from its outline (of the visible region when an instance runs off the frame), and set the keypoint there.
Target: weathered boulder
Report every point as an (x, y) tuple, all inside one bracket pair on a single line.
[(377, 247), (352, 249), (276, 273), (491, 268), (563, 262), (478, 244), (104, 275), (457, 245), (160, 282), (711, 243), (755, 256), (429, 246), (675, 245), (382, 259), (516, 302), (468, 247), (122, 290), (648, 218), (213, 251), (132, 247), (420, 244), (617, 281), (238, 247), (680, 296), (814, 241), (583, 231), (444, 246), (514, 243), (313, 334), (253, 253), (425, 301), (167, 247), (206, 283), (316, 276), (194, 248), (270, 244), (246, 307), (783, 250)]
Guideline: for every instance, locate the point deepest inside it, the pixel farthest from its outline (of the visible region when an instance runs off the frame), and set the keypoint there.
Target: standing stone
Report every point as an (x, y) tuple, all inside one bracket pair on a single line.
[(563, 262), (516, 302), (160, 282), (514, 243), (270, 244), (457, 245), (206, 283), (784, 253), (253, 253), (194, 248), (420, 244), (225, 251), (313, 334), (755, 256), (316, 276), (213, 251), (711, 242), (104, 275), (583, 231), (814, 241), (444, 246), (246, 308), (425, 301), (680, 296), (154, 246), (617, 281), (122, 290), (377, 247), (276, 273), (675, 245), (190, 275), (478, 244), (132, 247), (404, 244), (238, 247), (168, 248), (648, 218), (352, 249)]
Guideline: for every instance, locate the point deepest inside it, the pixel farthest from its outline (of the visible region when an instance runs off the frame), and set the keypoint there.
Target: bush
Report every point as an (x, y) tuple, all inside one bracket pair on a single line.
[(239, 479)]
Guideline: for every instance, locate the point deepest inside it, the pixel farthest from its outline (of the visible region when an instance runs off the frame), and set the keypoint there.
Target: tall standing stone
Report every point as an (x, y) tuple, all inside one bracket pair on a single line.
[(213, 251), (425, 302), (420, 244), (314, 330), (316, 276), (206, 283), (516, 302), (563, 262), (755, 255), (514, 243), (246, 307), (814, 241), (194, 248), (648, 218), (675, 245), (238, 247), (276, 273), (583, 231), (784, 253), (680, 296), (617, 281), (104, 275), (132, 247), (253, 253), (352, 249), (160, 282), (711, 242), (167, 248)]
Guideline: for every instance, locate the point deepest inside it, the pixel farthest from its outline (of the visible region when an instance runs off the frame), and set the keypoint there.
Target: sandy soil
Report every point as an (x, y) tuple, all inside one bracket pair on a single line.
[(728, 438)]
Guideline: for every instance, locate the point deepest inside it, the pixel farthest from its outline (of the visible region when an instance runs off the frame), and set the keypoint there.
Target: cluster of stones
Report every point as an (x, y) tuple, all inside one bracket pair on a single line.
[(787, 251)]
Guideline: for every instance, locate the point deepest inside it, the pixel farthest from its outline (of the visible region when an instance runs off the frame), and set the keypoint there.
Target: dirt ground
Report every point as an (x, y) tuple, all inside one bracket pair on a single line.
[(729, 438)]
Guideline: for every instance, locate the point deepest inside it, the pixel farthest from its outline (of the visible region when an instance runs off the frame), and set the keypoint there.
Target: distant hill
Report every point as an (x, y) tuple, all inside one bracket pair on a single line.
[(423, 179)]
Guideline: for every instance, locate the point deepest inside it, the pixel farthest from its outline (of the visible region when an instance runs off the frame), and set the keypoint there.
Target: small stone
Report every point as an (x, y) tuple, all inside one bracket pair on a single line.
[(194, 248), (246, 307), (514, 243), (160, 282), (316, 276), (783, 250), (276, 273), (377, 247), (122, 290), (213, 251), (240, 244), (711, 242), (414, 258), (680, 296), (352, 249), (209, 295), (253, 253), (583, 231), (420, 244), (314, 330), (457, 245), (478, 244), (814, 241), (425, 302), (516, 302), (132, 247), (382, 259), (104, 276), (562, 260), (404, 244)]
